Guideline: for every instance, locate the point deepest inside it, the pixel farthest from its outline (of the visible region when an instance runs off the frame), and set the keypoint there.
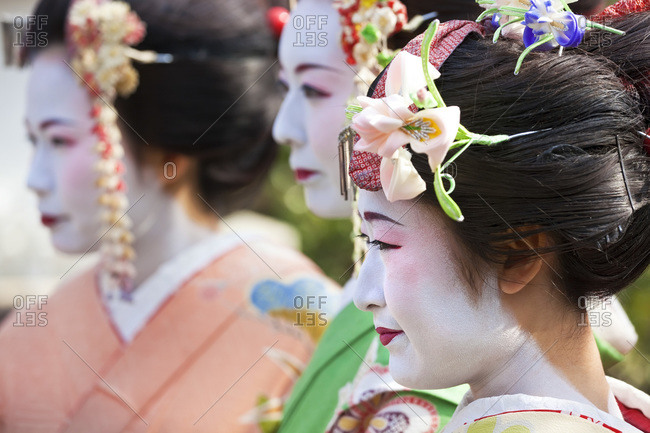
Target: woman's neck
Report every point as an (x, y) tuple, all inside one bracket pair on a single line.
[(563, 365), (527, 372), (165, 232)]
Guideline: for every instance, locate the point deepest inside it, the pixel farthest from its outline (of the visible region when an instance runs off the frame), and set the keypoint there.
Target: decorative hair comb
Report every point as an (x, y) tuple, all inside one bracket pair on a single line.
[(367, 24), (100, 35), (541, 24)]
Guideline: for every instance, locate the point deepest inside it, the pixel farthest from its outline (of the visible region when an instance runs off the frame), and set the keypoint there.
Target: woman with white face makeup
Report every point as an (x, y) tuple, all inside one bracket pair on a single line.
[(487, 280), (338, 386), (130, 159), (346, 386), (318, 83), (318, 76)]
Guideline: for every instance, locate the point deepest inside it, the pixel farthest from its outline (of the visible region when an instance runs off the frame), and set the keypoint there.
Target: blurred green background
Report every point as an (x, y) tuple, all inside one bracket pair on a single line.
[(328, 243)]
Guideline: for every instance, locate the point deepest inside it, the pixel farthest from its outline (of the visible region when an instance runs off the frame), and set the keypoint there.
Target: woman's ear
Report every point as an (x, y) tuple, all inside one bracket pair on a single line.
[(519, 270)]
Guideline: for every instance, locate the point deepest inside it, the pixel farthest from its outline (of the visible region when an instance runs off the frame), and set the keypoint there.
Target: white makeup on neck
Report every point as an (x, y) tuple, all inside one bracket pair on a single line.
[(441, 335), (63, 176), (318, 85)]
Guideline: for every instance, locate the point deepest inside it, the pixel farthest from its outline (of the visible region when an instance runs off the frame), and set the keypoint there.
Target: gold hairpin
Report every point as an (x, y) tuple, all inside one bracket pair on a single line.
[(346, 143)]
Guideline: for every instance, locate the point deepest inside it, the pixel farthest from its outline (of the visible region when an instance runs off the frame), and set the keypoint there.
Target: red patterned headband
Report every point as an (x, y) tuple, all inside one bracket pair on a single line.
[(622, 8)]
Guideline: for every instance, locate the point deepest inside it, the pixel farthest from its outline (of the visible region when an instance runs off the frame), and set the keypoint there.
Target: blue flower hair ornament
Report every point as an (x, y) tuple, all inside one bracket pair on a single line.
[(541, 24)]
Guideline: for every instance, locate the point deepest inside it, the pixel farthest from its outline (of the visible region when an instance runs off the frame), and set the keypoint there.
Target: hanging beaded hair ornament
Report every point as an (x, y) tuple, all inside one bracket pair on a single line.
[(100, 35)]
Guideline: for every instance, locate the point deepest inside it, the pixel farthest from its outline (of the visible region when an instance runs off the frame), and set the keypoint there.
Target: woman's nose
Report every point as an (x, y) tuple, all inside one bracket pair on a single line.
[(39, 178), (369, 291), (289, 124)]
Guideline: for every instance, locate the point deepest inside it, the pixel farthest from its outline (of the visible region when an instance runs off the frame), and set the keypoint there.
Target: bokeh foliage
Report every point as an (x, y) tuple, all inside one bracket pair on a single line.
[(327, 242)]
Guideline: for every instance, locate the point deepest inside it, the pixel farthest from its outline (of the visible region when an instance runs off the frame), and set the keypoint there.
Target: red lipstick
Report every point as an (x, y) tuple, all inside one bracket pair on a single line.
[(49, 220), (386, 335), (303, 174)]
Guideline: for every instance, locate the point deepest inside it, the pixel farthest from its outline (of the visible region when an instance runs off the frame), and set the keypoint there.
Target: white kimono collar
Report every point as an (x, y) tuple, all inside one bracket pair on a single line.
[(484, 407), (129, 318)]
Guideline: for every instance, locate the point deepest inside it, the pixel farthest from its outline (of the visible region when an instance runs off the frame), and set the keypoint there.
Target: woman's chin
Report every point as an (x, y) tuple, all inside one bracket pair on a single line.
[(404, 375), (325, 203), (70, 242), (408, 375)]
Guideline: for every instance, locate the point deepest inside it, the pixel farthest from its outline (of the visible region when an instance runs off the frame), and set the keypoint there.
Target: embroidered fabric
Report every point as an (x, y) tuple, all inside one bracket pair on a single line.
[(467, 413)]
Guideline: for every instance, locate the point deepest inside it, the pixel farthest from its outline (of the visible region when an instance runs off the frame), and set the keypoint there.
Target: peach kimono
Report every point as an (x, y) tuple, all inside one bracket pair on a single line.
[(207, 338)]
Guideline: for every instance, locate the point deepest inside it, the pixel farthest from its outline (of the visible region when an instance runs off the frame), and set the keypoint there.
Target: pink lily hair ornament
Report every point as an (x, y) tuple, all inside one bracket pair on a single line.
[(541, 24), (366, 26), (100, 35), (413, 113)]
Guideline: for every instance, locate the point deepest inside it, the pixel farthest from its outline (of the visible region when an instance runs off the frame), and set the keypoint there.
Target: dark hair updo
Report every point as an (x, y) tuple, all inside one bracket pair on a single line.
[(445, 9), (570, 180), (214, 102)]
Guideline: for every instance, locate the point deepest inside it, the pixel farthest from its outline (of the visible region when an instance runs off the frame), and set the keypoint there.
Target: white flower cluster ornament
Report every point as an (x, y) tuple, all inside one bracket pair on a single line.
[(540, 24), (386, 125), (101, 34), (367, 24)]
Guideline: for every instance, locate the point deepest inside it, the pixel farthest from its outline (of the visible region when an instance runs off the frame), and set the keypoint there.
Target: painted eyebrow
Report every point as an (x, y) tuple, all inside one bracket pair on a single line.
[(374, 216), (306, 66), (47, 123)]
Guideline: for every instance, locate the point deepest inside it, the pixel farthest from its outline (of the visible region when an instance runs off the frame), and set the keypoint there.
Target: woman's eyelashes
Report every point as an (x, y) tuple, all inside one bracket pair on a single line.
[(308, 90), (314, 93), (377, 243), (55, 141), (59, 141)]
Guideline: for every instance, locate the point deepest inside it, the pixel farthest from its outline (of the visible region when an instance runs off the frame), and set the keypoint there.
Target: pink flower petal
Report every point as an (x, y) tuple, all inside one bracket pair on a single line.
[(385, 124), (444, 122), (399, 178), (393, 142), (380, 122)]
